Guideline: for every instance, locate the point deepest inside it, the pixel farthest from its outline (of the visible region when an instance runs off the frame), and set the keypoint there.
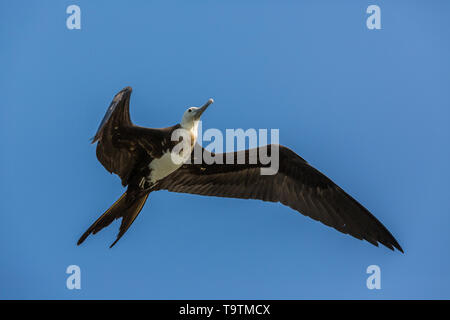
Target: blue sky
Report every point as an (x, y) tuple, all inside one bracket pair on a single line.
[(369, 108)]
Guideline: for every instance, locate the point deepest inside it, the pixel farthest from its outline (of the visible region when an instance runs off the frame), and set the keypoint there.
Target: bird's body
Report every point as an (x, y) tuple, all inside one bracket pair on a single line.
[(148, 160)]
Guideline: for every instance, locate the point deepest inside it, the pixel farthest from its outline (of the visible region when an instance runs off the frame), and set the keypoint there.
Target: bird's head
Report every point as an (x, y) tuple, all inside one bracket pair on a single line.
[(192, 115)]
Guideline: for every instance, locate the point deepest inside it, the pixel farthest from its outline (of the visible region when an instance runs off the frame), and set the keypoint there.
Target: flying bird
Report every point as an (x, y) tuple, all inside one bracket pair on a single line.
[(141, 157)]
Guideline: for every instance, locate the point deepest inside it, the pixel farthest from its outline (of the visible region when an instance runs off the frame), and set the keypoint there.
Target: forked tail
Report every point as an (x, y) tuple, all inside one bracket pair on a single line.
[(126, 207)]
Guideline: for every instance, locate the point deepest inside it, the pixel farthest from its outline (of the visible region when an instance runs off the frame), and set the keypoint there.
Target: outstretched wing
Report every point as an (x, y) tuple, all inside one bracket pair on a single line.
[(121, 145), (296, 184)]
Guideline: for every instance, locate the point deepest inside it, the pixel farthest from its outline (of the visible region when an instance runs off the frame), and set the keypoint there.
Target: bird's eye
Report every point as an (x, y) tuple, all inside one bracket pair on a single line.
[(189, 110)]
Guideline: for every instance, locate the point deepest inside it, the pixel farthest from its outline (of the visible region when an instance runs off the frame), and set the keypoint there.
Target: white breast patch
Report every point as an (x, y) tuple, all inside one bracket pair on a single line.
[(162, 167)]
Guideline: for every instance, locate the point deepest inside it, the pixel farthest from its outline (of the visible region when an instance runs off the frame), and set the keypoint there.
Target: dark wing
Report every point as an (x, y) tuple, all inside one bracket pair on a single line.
[(296, 184), (122, 146)]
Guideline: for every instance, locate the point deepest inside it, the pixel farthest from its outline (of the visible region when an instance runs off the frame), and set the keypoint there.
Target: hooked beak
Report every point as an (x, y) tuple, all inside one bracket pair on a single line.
[(203, 108)]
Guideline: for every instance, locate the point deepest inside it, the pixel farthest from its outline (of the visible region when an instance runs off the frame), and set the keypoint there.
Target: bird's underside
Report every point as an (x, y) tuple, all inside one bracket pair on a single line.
[(127, 150)]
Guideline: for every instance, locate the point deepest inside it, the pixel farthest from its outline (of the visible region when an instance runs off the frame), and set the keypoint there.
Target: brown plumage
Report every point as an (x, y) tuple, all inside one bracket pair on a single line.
[(127, 150)]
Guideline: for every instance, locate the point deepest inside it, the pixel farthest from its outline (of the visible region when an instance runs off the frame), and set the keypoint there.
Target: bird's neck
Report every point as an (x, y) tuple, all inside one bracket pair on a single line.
[(192, 127)]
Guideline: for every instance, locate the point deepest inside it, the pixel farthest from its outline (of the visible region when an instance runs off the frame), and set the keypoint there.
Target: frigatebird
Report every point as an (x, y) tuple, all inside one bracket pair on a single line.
[(141, 157)]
